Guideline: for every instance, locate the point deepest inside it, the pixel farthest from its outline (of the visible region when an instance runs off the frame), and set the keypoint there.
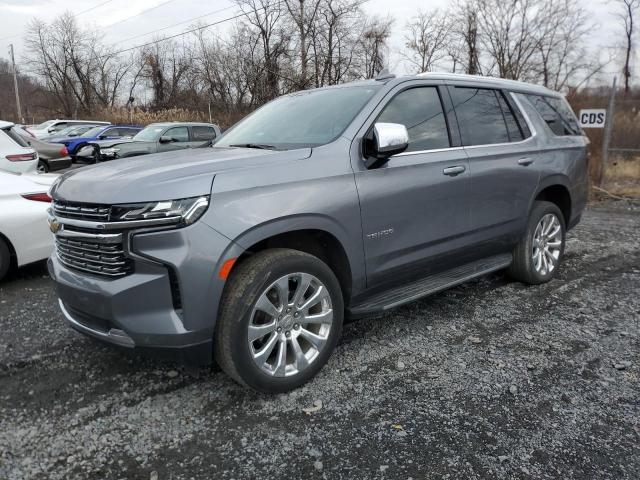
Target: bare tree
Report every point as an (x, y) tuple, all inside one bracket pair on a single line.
[(626, 14), (562, 54), (511, 32), (426, 39), (303, 13), (463, 43), (76, 67), (266, 17), (165, 68), (373, 43)]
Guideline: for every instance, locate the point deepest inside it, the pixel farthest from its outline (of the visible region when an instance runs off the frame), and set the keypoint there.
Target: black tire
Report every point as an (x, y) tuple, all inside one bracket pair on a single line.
[(43, 167), (244, 287), (523, 268), (5, 259)]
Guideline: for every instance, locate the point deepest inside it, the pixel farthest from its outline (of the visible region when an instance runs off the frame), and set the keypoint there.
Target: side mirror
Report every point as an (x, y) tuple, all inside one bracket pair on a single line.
[(388, 139), (166, 139)]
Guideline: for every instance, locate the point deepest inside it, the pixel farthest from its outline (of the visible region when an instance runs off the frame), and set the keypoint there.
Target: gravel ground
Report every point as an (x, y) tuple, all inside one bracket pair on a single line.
[(492, 379)]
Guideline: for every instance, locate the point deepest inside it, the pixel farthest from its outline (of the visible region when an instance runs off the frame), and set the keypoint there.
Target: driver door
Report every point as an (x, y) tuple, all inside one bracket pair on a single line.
[(415, 209)]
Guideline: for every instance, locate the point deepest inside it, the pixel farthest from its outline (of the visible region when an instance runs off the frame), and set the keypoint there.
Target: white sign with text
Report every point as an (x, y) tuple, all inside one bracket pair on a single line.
[(593, 117)]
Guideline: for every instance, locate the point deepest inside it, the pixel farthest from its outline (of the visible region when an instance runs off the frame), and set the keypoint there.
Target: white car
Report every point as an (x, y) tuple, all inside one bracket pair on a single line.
[(24, 229), (15, 153), (52, 126)]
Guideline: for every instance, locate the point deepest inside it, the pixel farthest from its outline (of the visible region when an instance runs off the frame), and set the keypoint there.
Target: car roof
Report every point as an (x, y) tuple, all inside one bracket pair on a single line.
[(494, 82), (479, 80), (177, 124)]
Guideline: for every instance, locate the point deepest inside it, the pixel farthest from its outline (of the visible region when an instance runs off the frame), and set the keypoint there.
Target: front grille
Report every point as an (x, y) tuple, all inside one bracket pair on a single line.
[(87, 249), (82, 211), (93, 257)]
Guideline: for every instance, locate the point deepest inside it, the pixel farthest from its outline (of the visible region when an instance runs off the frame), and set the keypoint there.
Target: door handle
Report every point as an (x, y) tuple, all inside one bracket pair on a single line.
[(453, 171), (525, 161)]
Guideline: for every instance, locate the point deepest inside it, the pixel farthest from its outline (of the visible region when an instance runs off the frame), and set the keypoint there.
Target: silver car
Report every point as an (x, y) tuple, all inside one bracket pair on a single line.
[(326, 203)]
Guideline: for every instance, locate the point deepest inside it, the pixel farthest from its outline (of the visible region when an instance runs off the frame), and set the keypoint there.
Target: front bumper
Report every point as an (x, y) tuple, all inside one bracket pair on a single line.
[(139, 310)]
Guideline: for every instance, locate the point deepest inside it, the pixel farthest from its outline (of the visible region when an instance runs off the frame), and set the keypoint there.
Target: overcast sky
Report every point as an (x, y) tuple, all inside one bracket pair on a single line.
[(122, 20)]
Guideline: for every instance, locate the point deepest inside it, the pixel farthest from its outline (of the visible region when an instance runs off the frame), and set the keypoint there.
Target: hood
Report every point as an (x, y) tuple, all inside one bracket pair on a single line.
[(161, 176)]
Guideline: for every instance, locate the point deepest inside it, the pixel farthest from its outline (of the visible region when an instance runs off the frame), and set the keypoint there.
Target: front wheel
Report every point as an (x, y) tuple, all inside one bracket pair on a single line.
[(280, 318), (538, 255)]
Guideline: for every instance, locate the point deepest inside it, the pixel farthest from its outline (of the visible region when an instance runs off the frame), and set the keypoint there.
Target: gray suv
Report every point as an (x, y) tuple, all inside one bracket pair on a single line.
[(322, 204)]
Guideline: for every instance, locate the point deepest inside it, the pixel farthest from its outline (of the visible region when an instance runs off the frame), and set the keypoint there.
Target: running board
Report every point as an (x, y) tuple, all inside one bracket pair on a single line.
[(426, 286)]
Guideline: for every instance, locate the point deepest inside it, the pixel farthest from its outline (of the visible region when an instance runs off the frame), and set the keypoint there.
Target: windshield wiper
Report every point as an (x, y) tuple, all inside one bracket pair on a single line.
[(260, 146)]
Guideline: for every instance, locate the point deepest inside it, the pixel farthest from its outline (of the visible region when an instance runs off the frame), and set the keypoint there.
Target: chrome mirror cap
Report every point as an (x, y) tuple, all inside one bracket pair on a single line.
[(390, 138)]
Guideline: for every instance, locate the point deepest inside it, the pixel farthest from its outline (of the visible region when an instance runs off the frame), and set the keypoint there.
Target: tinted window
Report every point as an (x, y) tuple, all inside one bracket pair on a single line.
[(179, 134), (203, 133), (420, 110), (16, 137), (513, 128), (309, 118), (557, 114), (480, 116), (128, 132)]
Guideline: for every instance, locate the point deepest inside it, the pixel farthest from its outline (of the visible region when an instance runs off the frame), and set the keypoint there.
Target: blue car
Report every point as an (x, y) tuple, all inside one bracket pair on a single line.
[(103, 132)]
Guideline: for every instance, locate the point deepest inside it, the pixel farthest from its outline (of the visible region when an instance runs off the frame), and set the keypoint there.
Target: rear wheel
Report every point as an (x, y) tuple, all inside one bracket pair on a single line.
[(280, 319), (539, 253), (5, 259)]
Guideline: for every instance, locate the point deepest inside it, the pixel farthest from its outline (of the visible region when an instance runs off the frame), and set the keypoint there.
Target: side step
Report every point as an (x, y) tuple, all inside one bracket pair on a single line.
[(426, 286)]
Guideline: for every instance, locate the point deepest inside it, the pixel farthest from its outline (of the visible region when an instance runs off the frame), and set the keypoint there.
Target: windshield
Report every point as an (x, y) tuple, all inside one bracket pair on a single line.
[(304, 119), (149, 134), (44, 125)]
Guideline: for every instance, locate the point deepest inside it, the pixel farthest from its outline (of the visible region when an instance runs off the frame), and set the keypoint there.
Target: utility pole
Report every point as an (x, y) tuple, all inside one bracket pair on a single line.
[(15, 83)]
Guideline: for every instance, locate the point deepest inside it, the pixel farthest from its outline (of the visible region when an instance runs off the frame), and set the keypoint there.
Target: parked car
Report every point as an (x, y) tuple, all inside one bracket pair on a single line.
[(24, 233), (350, 199), (109, 132), (155, 138), (51, 126), (52, 156), (16, 155), (73, 131)]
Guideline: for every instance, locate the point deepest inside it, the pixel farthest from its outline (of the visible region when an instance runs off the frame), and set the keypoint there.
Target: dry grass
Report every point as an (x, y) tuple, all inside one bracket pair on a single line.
[(144, 117), (622, 177)]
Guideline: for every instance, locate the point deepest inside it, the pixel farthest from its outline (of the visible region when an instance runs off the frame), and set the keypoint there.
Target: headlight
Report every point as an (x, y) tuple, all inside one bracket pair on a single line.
[(109, 152), (186, 210)]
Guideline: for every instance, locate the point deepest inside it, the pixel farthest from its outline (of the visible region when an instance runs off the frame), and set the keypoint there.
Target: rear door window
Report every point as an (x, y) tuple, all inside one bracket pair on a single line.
[(557, 114), (202, 133), (480, 116), (513, 127), (420, 110)]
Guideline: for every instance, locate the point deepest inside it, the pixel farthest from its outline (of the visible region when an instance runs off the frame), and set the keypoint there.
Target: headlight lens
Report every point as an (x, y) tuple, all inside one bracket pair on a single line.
[(188, 209)]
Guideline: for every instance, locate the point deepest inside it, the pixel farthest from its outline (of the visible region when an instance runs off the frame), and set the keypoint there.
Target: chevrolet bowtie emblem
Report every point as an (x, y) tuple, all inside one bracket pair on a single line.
[(54, 225)]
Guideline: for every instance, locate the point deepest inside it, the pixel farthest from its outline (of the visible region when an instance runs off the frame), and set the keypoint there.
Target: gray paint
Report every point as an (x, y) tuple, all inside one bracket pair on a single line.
[(402, 220)]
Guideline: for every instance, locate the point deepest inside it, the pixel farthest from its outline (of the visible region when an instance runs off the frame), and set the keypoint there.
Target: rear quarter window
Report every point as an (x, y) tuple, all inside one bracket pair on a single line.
[(557, 114)]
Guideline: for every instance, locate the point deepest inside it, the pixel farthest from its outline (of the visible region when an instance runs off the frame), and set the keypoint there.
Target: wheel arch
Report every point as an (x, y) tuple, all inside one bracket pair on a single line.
[(556, 189), (319, 238)]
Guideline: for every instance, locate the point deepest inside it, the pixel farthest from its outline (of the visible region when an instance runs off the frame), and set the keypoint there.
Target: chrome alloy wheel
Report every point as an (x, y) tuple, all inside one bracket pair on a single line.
[(290, 324), (547, 244)]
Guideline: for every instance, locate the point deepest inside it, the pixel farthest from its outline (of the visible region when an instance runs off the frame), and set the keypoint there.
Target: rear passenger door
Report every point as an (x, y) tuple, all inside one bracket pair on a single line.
[(501, 150), (415, 216)]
